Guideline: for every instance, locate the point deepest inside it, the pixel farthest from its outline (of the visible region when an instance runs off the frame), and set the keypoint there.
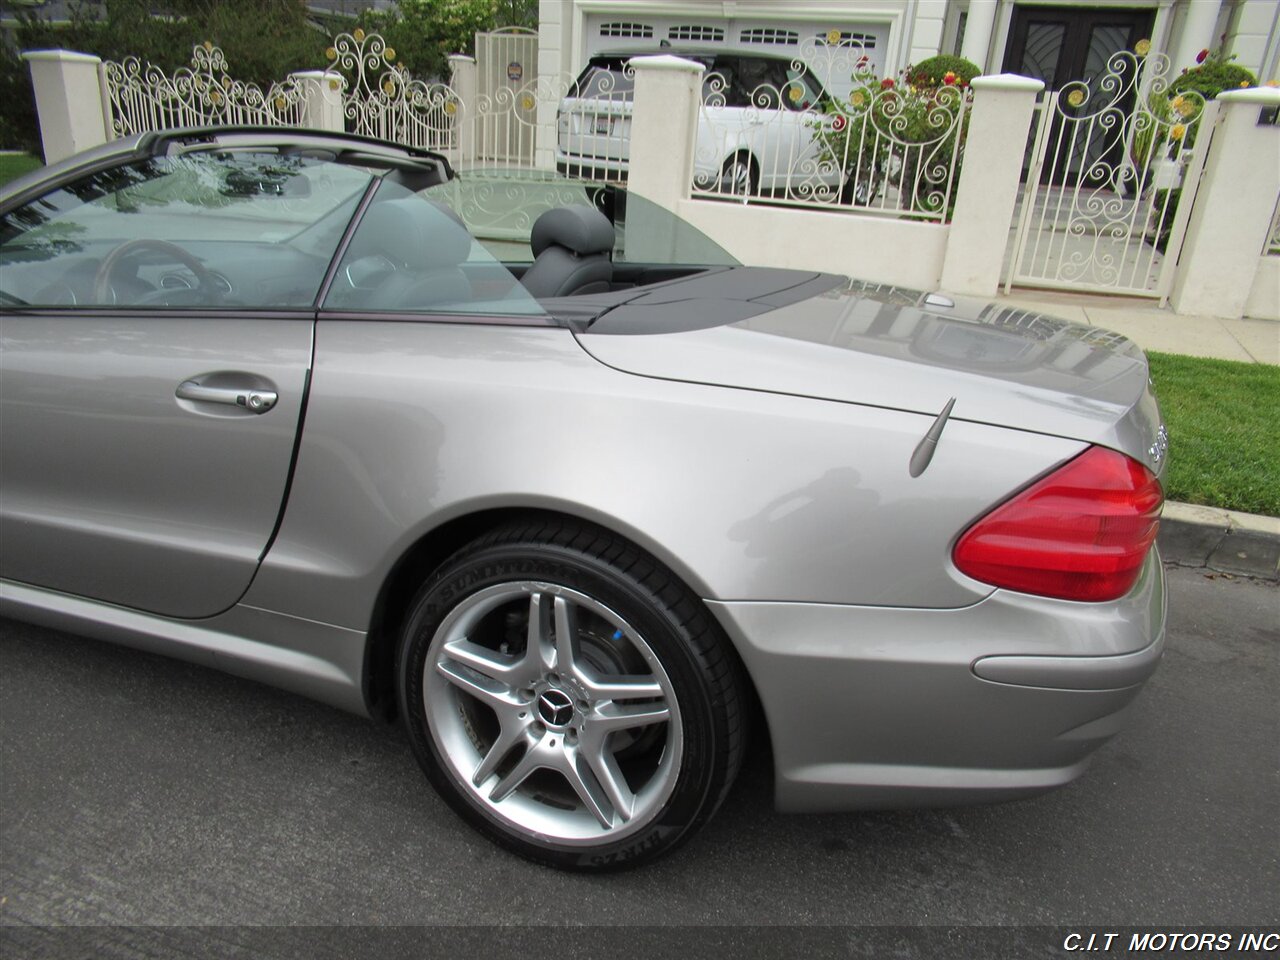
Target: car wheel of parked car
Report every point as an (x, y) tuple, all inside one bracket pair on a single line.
[(861, 190), (738, 176), (570, 697)]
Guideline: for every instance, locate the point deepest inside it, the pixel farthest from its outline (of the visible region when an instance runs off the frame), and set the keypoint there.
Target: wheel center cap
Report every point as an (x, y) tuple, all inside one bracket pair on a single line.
[(555, 708)]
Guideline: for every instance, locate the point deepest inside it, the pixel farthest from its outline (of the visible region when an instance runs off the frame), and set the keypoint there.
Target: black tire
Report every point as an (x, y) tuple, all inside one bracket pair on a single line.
[(704, 674), (739, 176), (863, 193)]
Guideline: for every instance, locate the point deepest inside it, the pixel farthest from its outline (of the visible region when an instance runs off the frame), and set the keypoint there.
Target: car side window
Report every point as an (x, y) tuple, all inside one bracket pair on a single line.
[(605, 77), (410, 254), (254, 228), (753, 81), (717, 79)]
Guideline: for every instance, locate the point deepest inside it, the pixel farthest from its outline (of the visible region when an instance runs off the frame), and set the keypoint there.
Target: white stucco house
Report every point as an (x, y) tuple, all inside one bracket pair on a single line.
[(1052, 41)]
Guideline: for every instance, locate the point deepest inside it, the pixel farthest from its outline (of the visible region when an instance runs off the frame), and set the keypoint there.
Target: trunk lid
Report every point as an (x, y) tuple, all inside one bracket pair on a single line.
[(822, 336)]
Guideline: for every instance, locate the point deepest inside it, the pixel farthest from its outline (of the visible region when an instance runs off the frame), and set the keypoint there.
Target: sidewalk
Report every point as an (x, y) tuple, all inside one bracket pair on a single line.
[(1160, 329), (1193, 536)]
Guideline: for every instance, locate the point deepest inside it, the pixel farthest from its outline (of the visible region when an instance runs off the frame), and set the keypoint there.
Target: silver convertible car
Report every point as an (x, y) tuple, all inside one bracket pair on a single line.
[(545, 474)]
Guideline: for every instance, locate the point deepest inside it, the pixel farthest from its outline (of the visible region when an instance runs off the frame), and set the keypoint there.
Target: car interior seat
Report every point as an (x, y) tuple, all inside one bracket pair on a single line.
[(572, 250)]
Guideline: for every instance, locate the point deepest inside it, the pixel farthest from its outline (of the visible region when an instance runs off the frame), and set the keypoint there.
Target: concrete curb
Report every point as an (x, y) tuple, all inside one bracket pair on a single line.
[(1221, 540)]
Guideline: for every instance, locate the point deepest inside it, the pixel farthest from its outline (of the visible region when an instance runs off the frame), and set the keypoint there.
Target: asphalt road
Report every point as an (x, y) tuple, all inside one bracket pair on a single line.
[(139, 790)]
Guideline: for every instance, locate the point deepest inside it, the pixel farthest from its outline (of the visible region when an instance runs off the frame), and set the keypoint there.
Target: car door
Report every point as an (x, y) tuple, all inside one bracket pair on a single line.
[(155, 346)]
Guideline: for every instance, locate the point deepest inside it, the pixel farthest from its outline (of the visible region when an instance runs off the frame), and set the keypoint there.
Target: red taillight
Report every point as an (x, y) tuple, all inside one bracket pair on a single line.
[(1081, 533)]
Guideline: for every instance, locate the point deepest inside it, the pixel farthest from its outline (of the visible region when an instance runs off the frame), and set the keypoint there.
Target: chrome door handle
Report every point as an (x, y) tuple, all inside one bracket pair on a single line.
[(255, 401)]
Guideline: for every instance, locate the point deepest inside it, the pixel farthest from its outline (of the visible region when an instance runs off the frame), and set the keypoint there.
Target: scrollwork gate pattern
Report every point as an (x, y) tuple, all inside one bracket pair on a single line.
[(382, 99), (875, 145), (143, 97), (1108, 189)]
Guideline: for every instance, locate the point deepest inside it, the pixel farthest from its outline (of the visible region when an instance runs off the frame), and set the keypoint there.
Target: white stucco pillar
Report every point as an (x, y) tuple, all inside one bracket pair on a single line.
[(1199, 19), (664, 132), (989, 181), (664, 128), (1232, 216), (464, 79), (322, 104), (70, 101), (978, 26), (557, 66)]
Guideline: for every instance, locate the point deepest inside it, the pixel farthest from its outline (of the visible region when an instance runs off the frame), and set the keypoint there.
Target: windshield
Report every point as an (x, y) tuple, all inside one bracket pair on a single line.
[(500, 207)]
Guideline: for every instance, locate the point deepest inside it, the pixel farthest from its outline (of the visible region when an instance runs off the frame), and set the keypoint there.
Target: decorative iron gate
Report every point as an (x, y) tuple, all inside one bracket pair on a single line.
[(382, 99), (141, 96), (508, 96), (1115, 163)]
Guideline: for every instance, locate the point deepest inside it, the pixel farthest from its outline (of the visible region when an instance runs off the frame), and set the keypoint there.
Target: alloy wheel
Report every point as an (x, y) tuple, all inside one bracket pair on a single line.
[(553, 712)]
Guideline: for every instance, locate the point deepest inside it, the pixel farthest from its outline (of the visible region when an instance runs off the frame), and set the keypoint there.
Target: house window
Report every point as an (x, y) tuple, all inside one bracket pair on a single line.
[(630, 31), (696, 34), (773, 35)]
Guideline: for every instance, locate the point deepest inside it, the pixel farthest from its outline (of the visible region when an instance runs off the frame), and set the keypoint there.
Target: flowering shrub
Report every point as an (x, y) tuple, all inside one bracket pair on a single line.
[(1164, 128), (1215, 72), (1170, 126), (900, 132), (934, 72)]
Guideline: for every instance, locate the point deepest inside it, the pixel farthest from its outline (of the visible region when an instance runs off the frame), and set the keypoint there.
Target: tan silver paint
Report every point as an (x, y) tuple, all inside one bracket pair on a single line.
[(116, 489)]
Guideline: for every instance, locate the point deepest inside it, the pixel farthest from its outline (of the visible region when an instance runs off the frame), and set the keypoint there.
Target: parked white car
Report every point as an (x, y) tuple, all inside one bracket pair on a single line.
[(757, 131)]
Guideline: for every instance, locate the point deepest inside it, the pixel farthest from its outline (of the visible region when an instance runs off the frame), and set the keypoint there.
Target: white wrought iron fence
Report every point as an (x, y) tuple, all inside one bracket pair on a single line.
[(771, 133), (143, 97), (529, 120), (382, 99), (1114, 165), (506, 96), (510, 122)]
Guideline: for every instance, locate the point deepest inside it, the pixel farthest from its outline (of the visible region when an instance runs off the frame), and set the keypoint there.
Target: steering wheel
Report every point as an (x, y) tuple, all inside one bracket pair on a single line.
[(102, 288)]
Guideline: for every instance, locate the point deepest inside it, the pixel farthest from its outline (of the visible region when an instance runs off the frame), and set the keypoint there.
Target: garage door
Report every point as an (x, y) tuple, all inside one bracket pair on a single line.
[(810, 41)]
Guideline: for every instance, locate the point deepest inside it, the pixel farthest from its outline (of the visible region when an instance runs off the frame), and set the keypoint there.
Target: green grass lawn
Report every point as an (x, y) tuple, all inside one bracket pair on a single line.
[(1224, 431), (16, 164)]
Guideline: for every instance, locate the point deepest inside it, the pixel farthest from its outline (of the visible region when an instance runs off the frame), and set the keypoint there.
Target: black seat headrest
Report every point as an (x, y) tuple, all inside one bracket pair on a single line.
[(579, 228)]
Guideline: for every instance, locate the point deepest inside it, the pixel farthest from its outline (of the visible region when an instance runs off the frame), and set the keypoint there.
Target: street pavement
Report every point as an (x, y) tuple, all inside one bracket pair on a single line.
[(140, 790)]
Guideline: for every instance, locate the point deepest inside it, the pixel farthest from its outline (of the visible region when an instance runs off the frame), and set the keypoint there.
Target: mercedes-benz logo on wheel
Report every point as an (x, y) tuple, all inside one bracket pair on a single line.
[(555, 708)]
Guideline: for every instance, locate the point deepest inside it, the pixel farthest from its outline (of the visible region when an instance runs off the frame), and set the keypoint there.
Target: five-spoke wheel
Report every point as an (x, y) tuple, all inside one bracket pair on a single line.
[(582, 710), (570, 698)]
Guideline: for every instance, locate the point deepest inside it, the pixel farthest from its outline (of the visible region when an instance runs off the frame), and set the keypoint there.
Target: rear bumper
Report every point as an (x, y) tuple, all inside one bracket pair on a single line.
[(874, 707)]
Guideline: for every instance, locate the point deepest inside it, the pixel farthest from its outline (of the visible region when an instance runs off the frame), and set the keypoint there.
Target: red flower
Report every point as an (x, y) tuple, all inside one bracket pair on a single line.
[(886, 83), (949, 79), (1202, 56), (863, 60), (838, 124)]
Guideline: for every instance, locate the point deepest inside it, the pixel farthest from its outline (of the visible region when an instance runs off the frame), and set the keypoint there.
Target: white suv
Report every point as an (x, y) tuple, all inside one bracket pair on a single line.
[(756, 132)]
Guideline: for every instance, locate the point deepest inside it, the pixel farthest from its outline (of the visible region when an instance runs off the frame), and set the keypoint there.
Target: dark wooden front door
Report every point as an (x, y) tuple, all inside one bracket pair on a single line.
[(1075, 47)]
